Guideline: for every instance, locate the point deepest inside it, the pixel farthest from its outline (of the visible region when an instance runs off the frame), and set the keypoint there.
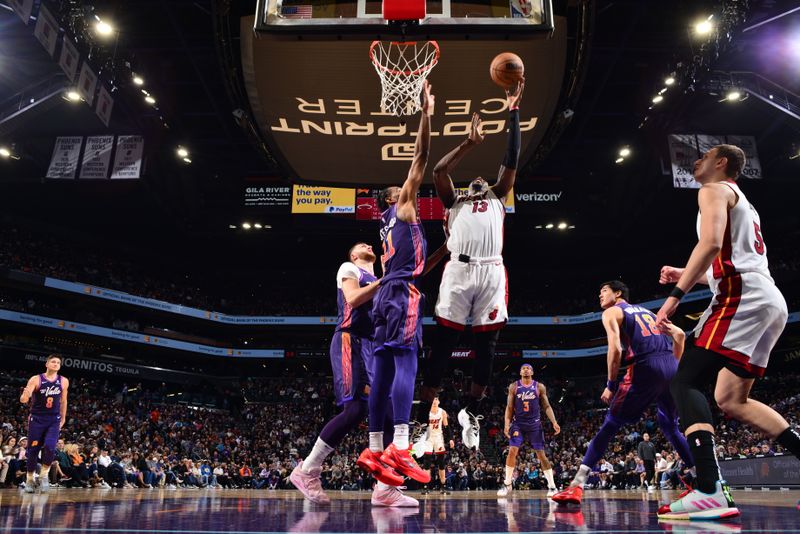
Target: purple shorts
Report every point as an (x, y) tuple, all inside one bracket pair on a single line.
[(533, 435), (43, 430), (397, 312), (645, 383), (351, 362)]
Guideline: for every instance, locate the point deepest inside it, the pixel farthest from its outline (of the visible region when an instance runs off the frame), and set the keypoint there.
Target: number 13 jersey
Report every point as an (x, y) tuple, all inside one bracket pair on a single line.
[(475, 225)]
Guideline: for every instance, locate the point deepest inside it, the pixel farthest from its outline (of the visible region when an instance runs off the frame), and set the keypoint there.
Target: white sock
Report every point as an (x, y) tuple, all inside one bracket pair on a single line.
[(401, 437), (548, 474), (381, 486), (317, 455), (509, 476), (581, 475), (376, 441)]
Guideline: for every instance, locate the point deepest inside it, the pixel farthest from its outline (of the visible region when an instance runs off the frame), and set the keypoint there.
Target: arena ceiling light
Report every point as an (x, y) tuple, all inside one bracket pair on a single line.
[(562, 225), (102, 27), (257, 226), (232, 226), (182, 152), (4, 152), (625, 152), (187, 160), (72, 96), (734, 95), (138, 80), (549, 226), (246, 225), (704, 27), (150, 100), (669, 81), (657, 99), (619, 160)]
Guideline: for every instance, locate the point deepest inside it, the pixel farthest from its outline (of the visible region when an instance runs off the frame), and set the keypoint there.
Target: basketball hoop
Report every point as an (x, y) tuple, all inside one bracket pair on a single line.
[(403, 67)]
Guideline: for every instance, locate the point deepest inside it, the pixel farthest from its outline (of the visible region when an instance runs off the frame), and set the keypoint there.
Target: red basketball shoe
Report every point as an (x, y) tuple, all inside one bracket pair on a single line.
[(403, 463), (371, 463)]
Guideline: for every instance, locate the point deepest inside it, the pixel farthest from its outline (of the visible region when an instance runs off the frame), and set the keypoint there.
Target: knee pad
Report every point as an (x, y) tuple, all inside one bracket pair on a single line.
[(485, 344), (445, 340)]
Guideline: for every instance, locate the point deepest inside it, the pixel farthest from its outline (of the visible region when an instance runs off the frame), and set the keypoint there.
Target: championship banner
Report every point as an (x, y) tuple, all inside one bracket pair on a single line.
[(104, 105), (307, 199), (128, 161), (683, 153), (685, 149), (23, 8), (46, 30), (87, 83), (97, 156), (752, 167), (64, 162), (69, 58)]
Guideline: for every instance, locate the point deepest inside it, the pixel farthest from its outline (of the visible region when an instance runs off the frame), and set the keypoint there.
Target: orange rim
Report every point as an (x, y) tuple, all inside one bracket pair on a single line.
[(396, 72)]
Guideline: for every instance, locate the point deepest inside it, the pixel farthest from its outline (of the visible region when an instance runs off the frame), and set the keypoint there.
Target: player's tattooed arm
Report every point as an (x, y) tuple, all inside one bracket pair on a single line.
[(512, 391), (548, 410)]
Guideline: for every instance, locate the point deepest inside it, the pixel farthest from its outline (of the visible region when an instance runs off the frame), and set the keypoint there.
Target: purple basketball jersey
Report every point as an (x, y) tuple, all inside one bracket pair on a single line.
[(46, 398), (640, 338), (356, 320), (404, 247), (526, 405)]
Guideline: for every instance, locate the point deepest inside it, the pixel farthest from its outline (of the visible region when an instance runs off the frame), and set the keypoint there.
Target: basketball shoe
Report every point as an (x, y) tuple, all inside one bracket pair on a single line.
[(505, 490), (694, 504), (371, 463), (571, 495), (391, 496), (404, 463), (471, 433), (309, 484)]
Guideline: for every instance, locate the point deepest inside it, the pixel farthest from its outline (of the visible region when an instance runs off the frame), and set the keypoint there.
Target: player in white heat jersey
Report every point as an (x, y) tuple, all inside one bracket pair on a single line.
[(474, 285), (735, 335)]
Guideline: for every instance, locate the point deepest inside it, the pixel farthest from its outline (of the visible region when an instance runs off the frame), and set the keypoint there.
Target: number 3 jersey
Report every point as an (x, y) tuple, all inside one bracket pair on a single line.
[(526, 405), (475, 225)]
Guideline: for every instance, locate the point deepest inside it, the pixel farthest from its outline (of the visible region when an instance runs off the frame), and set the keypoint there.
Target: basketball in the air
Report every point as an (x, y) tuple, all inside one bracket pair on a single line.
[(506, 69)]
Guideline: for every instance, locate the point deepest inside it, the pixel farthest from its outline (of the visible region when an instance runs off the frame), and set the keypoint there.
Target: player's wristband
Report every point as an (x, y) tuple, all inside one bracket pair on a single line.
[(677, 293), (612, 385)]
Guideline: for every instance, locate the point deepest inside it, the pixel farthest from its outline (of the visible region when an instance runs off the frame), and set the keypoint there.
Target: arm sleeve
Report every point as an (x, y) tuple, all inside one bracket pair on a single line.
[(514, 141)]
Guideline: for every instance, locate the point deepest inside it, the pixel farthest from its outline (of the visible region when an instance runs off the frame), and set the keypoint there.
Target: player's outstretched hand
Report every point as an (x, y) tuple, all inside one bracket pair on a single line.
[(666, 311), (428, 99), (452, 444), (475, 136), (668, 328), (606, 396), (556, 429), (669, 275), (514, 94)]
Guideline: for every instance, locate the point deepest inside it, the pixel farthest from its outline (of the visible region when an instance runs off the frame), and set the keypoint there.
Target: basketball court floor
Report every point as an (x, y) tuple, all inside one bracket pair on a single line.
[(238, 511)]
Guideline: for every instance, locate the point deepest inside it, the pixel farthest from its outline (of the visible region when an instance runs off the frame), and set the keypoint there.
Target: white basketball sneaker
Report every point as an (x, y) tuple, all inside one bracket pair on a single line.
[(391, 496), (471, 433), (694, 504), (505, 490)]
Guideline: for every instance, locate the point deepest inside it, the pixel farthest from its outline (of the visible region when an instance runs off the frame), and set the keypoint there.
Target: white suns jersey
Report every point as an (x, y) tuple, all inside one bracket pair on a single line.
[(435, 424), (475, 225), (743, 248)]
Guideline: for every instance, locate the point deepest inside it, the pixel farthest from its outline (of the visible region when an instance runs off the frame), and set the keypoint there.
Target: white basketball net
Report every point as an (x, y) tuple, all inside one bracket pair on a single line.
[(403, 67)]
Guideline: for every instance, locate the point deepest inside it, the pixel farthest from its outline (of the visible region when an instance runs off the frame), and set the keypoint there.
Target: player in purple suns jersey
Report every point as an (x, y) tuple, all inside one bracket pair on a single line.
[(48, 395), (653, 355), (397, 313), (351, 362), (523, 422)]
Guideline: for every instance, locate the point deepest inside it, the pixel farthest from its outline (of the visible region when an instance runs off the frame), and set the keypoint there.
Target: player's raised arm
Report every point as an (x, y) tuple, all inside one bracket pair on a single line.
[(612, 318), (441, 173), (33, 383), (508, 170), (407, 203)]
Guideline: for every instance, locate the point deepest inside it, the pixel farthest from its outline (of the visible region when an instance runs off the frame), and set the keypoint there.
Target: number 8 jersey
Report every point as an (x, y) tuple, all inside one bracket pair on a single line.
[(47, 397)]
